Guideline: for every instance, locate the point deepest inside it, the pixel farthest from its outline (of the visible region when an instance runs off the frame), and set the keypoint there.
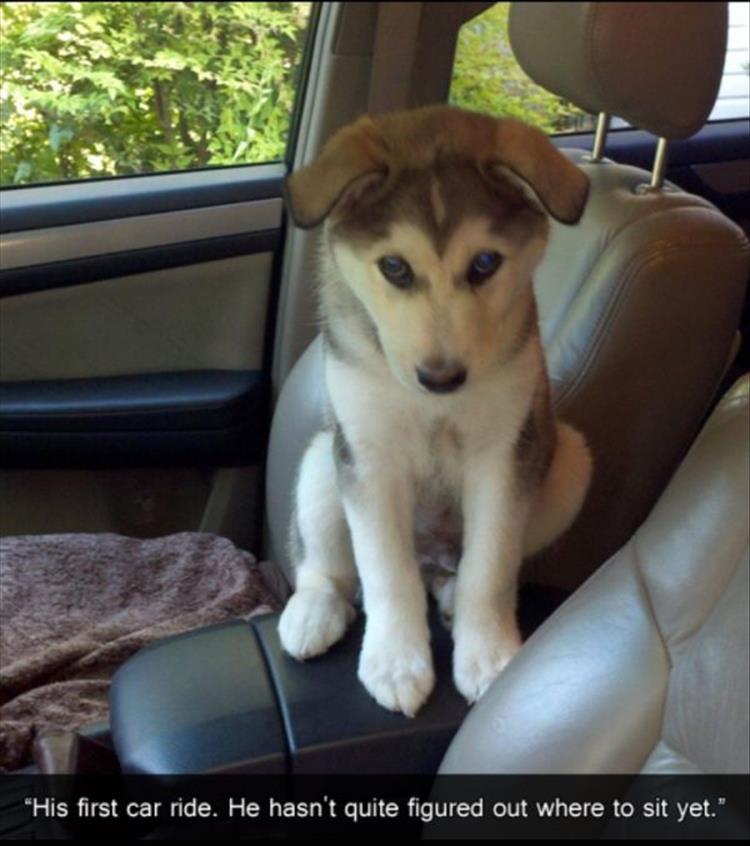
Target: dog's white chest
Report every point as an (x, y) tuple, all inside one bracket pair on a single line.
[(438, 523)]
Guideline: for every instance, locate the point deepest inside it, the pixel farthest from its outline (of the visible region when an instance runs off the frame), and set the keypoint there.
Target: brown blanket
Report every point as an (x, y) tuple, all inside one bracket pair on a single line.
[(73, 608)]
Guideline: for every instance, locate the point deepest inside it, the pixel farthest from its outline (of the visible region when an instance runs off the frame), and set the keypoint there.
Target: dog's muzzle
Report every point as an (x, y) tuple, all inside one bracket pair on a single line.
[(441, 379)]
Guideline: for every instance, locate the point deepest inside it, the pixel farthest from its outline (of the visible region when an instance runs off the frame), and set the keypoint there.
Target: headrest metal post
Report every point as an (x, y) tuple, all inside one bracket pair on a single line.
[(660, 165), (600, 138)]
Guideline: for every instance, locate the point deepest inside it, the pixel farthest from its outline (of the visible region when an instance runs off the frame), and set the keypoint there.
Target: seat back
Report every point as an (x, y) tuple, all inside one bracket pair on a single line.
[(639, 306), (639, 303)]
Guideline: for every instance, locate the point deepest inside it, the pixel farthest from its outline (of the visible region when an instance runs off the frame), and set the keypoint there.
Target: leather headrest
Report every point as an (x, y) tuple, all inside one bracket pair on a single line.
[(657, 65)]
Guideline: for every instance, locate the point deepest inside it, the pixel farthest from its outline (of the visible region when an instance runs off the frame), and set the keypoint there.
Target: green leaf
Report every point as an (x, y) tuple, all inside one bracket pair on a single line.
[(105, 88), (58, 136), (23, 172)]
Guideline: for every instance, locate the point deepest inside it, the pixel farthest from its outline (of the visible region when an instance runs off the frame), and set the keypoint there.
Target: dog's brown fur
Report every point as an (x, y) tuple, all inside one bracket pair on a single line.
[(375, 154)]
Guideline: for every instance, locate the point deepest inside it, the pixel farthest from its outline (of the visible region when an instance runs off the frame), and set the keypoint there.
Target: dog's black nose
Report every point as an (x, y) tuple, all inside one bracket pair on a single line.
[(441, 378)]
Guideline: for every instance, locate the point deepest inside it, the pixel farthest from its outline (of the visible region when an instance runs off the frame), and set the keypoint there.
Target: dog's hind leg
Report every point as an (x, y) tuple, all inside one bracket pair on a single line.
[(320, 610), (561, 495)]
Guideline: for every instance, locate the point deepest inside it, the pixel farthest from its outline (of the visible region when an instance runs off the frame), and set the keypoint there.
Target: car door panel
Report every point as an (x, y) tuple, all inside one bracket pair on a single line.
[(134, 316), (208, 315), (186, 418)]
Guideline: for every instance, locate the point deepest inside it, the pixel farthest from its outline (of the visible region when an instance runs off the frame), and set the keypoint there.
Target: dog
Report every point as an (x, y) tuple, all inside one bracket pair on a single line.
[(441, 444)]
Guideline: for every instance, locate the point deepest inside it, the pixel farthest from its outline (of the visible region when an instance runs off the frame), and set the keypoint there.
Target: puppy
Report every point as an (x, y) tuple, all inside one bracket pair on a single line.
[(441, 441)]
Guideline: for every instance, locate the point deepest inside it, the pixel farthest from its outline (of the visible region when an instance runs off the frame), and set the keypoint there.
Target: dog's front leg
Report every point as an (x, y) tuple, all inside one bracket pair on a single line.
[(485, 631), (395, 663)]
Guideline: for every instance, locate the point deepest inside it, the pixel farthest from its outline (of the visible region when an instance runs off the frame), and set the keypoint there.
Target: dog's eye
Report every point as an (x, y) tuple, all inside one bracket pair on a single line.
[(396, 271), (482, 266)]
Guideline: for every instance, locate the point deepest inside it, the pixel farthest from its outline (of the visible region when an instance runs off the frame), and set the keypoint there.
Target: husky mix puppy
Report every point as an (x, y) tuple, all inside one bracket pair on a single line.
[(441, 441)]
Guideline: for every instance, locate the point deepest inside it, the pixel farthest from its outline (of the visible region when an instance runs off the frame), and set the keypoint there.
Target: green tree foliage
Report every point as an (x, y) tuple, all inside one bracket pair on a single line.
[(487, 78), (101, 89)]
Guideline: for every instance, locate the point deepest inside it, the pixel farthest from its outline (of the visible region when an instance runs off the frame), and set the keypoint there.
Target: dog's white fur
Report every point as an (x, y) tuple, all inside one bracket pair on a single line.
[(414, 456)]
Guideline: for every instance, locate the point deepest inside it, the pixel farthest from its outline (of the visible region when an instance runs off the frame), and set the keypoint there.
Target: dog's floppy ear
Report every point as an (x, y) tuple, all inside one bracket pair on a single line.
[(560, 186), (353, 161)]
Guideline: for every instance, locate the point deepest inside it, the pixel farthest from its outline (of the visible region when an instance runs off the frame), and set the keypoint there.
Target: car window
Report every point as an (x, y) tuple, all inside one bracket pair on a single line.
[(734, 94), (106, 89), (487, 77)]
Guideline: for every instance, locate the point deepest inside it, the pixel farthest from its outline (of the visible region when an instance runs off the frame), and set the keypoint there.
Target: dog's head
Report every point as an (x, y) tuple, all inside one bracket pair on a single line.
[(436, 218)]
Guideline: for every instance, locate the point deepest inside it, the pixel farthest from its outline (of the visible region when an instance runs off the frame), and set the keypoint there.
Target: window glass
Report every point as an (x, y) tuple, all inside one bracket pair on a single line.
[(734, 94), (487, 77), (106, 89)]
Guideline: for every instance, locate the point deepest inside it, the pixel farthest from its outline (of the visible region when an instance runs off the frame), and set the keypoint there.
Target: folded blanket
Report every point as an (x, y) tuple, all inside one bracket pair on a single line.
[(74, 607)]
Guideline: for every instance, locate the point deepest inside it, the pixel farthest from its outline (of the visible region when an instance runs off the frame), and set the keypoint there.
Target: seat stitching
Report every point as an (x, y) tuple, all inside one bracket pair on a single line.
[(649, 605), (648, 601), (685, 636), (617, 302)]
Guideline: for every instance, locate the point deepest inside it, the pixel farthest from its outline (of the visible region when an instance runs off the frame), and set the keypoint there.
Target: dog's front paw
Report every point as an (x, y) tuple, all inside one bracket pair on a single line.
[(397, 670), (480, 655), (312, 622)]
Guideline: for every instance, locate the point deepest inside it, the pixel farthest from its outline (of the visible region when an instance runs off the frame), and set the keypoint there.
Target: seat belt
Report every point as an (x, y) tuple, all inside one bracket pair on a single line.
[(393, 56)]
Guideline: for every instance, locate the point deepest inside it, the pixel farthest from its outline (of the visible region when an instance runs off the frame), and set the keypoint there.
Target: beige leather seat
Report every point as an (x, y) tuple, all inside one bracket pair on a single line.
[(639, 303), (644, 668)]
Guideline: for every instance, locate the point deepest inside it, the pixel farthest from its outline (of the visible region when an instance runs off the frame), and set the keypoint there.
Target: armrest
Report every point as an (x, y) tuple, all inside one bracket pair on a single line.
[(226, 699), (185, 418), (334, 726), (198, 702)]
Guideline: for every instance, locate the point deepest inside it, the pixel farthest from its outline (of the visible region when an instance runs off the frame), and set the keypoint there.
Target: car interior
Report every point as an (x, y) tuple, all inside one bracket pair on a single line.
[(161, 376)]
